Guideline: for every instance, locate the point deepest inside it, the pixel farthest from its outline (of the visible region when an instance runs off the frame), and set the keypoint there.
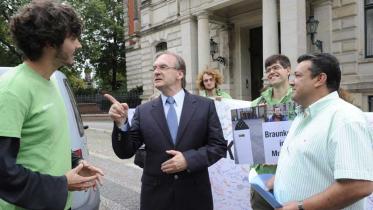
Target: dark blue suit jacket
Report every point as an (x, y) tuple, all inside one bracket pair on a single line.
[(200, 139)]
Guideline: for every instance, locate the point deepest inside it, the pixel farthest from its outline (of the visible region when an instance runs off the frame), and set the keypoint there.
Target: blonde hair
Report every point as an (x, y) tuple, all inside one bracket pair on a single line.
[(345, 95), (215, 73)]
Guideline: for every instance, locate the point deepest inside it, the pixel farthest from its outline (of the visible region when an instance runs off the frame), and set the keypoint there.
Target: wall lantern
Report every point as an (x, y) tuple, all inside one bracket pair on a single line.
[(312, 25), (214, 50)]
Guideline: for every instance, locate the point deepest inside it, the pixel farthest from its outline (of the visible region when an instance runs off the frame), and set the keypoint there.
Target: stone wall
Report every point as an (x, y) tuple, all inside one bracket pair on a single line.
[(345, 34), (140, 60), (348, 44)]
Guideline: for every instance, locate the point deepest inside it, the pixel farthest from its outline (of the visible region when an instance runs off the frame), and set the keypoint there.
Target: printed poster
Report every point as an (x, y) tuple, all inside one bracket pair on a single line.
[(260, 131)]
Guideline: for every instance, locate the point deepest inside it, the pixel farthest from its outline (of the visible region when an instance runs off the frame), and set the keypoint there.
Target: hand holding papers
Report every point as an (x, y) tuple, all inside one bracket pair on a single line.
[(258, 184)]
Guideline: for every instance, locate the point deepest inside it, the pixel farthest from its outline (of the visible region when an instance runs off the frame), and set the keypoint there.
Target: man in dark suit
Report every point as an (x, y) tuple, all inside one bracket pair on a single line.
[(182, 135)]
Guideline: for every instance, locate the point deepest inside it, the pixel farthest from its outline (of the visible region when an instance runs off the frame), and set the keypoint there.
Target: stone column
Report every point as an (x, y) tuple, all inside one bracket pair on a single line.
[(189, 51), (203, 40), (293, 29), (323, 12), (270, 29)]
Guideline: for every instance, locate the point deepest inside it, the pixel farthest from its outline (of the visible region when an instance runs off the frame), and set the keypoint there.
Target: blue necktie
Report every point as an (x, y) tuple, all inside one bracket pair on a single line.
[(172, 118)]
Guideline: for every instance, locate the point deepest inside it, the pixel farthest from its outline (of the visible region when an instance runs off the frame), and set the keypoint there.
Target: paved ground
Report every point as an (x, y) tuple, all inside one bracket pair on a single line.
[(121, 189)]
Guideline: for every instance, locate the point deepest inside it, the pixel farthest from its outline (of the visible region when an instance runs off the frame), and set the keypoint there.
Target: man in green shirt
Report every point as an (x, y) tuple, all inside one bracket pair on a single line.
[(277, 71), (35, 150)]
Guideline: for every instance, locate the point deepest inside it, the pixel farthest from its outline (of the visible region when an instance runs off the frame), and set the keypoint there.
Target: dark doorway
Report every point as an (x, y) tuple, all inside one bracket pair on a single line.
[(256, 58)]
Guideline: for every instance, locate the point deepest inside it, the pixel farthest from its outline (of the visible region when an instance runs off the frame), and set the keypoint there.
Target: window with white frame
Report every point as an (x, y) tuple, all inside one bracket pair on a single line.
[(368, 28)]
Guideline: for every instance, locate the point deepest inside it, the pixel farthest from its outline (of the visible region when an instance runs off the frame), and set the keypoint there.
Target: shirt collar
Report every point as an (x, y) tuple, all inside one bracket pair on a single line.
[(267, 95), (217, 91), (314, 108), (179, 98)]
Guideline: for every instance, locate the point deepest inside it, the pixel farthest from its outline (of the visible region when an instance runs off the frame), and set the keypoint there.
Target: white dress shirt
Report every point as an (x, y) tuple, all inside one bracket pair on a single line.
[(179, 101)]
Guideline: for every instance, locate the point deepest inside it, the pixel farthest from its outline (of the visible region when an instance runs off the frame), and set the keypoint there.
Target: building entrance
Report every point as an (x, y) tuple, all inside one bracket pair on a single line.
[(256, 58)]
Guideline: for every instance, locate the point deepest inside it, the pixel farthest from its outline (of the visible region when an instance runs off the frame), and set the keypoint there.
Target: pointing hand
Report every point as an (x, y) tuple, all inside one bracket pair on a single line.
[(118, 111)]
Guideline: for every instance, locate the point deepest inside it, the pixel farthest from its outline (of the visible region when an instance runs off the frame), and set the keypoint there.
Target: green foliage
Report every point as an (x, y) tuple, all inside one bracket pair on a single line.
[(102, 40), (8, 54), (137, 89), (74, 78)]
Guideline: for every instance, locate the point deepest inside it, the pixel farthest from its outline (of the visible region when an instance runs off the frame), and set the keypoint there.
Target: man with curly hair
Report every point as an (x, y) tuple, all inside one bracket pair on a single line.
[(35, 150), (208, 81)]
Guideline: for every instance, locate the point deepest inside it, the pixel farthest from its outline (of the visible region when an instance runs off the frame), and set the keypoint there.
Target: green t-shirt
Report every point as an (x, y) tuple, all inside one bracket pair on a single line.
[(32, 109), (218, 92), (266, 98)]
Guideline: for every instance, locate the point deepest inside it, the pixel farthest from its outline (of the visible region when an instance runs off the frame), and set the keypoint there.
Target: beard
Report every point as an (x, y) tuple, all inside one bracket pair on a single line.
[(63, 59), (210, 88)]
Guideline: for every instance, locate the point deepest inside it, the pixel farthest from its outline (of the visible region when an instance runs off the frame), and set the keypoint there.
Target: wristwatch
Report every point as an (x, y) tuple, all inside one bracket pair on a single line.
[(300, 205)]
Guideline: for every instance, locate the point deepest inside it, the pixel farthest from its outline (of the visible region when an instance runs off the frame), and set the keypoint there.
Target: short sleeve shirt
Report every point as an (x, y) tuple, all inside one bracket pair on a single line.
[(329, 140), (32, 109)]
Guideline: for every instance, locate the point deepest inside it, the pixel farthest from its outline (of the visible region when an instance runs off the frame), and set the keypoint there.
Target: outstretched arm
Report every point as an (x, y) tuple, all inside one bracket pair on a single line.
[(125, 143), (25, 188), (31, 189)]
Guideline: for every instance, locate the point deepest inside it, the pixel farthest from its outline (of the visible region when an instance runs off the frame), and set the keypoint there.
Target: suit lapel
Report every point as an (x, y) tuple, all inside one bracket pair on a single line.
[(189, 107), (159, 117)]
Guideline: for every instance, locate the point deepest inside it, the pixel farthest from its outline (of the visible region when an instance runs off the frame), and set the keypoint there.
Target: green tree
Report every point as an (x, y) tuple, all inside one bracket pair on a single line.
[(9, 56), (102, 40)]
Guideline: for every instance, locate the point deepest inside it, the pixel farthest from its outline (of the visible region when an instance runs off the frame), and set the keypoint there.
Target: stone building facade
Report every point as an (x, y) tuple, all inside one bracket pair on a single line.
[(245, 33)]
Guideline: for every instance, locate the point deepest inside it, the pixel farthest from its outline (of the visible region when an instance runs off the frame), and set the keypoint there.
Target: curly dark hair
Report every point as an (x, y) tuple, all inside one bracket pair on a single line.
[(43, 23)]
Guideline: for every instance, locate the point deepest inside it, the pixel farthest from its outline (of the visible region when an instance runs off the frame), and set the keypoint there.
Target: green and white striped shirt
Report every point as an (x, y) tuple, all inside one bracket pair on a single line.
[(330, 140)]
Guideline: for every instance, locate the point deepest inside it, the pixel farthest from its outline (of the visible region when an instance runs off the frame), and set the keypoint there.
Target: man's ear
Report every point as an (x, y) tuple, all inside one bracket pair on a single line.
[(180, 74), (288, 69), (321, 79), (48, 49), (48, 45)]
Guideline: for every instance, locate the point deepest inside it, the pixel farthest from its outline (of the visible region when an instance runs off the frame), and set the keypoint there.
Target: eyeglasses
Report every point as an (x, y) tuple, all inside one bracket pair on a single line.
[(210, 79), (274, 68), (162, 68)]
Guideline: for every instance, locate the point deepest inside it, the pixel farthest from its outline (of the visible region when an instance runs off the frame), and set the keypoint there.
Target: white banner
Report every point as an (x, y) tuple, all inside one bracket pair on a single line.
[(229, 181)]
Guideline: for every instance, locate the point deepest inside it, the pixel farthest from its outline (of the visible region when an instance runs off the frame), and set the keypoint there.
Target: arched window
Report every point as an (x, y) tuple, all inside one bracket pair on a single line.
[(162, 46)]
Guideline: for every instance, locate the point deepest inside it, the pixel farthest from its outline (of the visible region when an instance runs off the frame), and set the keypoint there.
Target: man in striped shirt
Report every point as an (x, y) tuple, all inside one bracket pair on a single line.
[(326, 160)]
